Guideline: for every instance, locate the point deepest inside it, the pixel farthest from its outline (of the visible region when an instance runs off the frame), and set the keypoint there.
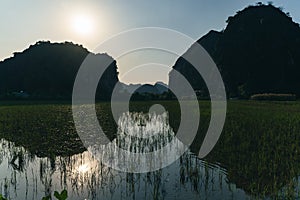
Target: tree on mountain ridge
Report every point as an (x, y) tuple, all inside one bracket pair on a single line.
[(47, 71), (258, 52)]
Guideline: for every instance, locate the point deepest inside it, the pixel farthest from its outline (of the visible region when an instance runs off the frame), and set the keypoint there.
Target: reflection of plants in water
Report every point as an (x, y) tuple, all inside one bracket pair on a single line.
[(83, 175), (144, 142), (142, 133), (259, 147), (18, 161)]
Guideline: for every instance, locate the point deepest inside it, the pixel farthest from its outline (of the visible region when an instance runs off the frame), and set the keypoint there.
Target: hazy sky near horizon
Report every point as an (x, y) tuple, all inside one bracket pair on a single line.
[(90, 22)]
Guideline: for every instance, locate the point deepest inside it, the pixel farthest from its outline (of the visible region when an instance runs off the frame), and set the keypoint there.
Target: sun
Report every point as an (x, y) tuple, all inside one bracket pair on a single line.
[(82, 24)]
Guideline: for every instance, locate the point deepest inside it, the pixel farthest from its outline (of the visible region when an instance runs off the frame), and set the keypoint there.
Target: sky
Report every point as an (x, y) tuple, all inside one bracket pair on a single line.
[(90, 22)]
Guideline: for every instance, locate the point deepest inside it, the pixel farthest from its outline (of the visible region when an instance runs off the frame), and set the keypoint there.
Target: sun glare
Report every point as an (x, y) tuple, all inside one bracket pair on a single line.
[(83, 168), (82, 25)]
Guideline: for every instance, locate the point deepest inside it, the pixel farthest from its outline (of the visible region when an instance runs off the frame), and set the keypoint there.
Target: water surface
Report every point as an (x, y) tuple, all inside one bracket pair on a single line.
[(25, 175)]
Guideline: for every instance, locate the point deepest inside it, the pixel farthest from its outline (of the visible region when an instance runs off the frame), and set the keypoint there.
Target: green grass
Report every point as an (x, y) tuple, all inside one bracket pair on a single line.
[(259, 146)]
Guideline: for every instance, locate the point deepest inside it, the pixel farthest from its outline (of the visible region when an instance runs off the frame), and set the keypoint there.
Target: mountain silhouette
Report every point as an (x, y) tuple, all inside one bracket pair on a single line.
[(161, 87), (47, 71), (258, 52), (157, 88)]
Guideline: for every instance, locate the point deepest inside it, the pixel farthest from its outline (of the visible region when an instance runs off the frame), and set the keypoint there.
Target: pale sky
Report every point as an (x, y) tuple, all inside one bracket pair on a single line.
[(25, 22)]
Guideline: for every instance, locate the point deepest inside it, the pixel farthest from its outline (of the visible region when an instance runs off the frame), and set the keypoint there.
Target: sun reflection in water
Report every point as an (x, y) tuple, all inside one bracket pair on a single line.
[(83, 168)]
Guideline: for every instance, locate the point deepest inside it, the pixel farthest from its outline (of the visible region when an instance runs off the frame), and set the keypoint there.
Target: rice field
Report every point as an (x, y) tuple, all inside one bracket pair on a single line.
[(259, 147)]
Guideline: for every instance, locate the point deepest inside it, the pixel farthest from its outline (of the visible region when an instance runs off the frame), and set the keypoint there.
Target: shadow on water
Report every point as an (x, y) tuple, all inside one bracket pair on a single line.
[(258, 152)]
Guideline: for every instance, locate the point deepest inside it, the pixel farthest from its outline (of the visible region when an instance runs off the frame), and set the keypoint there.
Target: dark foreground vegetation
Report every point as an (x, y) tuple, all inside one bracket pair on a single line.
[(259, 146)]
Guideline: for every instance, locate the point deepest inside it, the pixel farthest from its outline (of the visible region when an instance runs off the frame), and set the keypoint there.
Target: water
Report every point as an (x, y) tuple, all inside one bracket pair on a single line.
[(24, 175)]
